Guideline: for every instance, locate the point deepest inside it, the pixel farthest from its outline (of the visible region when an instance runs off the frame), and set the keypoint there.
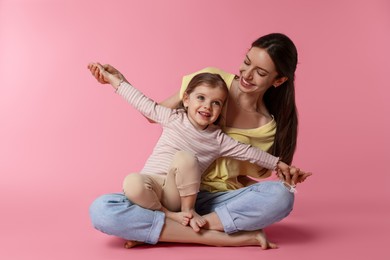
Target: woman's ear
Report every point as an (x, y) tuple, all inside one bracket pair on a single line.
[(279, 81)]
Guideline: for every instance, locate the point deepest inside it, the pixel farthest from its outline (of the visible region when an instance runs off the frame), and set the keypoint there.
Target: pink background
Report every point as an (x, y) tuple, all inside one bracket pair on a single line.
[(65, 139)]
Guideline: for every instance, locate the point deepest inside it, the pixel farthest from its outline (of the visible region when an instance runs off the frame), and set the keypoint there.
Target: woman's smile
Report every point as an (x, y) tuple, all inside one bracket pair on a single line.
[(246, 84)]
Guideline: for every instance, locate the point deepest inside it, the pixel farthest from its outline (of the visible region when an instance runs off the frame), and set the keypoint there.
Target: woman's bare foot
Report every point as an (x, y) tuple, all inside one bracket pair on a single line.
[(130, 243), (263, 241), (197, 221)]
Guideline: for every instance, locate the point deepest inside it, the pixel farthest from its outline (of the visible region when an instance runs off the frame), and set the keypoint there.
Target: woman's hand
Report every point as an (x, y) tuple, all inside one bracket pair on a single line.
[(106, 74), (291, 174)]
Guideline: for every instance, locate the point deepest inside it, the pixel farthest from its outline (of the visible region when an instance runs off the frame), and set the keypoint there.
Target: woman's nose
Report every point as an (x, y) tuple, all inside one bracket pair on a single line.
[(247, 73)]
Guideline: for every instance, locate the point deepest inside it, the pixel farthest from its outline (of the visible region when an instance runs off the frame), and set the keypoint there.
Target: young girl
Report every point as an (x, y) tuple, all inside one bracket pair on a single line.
[(189, 143)]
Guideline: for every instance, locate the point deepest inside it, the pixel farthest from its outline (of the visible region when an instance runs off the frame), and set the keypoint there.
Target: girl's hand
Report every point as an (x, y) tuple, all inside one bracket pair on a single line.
[(106, 74)]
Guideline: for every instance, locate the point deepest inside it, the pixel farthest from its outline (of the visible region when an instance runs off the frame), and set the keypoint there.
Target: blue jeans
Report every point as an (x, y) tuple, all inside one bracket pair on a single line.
[(250, 208)]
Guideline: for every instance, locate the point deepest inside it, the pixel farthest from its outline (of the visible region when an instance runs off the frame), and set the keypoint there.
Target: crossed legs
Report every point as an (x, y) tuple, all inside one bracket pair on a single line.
[(174, 194)]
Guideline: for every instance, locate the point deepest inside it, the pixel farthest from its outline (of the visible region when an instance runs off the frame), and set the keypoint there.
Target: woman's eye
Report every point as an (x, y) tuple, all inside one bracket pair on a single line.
[(261, 73), (246, 62)]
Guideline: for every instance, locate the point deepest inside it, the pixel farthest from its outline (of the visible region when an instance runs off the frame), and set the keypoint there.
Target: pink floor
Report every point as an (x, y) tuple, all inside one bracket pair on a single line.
[(317, 229)]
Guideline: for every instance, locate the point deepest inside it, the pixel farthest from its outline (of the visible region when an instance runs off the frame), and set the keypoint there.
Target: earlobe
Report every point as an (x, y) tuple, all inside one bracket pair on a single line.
[(279, 81)]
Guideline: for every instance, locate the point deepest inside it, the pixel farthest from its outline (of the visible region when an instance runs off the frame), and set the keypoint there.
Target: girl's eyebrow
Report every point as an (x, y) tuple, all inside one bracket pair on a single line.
[(258, 66)]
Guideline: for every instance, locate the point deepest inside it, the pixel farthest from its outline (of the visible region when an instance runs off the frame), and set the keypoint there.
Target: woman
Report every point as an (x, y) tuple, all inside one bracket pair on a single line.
[(261, 111)]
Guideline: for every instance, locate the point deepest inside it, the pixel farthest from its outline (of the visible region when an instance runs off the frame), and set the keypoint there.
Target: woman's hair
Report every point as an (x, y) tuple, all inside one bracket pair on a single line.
[(208, 79), (280, 101)]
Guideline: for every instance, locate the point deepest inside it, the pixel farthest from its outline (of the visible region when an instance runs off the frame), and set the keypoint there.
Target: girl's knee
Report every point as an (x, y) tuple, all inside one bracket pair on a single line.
[(134, 186), (185, 159)]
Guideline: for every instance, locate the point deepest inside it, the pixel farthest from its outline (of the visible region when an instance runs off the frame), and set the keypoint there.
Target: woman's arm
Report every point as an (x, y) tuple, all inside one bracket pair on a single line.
[(172, 102), (245, 180)]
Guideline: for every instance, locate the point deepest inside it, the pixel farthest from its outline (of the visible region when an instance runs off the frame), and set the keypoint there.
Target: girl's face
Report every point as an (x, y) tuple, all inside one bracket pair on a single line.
[(204, 105), (258, 72)]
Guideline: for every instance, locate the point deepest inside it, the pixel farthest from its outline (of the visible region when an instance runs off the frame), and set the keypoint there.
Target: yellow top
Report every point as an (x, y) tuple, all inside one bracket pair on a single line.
[(222, 174)]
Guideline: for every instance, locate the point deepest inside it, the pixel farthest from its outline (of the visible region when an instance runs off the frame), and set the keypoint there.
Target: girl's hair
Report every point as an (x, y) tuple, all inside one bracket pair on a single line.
[(280, 101), (208, 79)]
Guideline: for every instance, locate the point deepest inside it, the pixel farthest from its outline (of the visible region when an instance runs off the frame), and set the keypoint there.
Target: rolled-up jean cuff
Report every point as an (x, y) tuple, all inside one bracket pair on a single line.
[(226, 220), (155, 230)]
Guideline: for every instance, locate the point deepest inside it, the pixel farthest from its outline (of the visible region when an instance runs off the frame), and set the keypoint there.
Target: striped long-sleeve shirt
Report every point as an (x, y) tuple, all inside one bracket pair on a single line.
[(180, 135)]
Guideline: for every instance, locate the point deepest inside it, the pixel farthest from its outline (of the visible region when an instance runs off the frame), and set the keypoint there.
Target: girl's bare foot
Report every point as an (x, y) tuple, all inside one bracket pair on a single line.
[(130, 243), (197, 221), (180, 217)]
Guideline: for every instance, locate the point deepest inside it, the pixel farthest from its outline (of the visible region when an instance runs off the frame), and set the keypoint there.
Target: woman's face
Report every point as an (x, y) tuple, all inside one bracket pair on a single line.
[(257, 72)]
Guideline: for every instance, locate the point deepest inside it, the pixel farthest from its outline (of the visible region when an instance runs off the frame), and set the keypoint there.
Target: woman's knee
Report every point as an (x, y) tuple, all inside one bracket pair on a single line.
[(103, 212), (278, 195), (115, 215)]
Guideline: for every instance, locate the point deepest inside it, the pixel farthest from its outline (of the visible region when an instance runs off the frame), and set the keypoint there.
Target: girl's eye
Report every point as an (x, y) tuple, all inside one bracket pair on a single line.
[(200, 98), (217, 103)]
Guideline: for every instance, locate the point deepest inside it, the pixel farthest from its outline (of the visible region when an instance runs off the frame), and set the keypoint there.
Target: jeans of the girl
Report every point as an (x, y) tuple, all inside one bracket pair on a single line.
[(250, 208)]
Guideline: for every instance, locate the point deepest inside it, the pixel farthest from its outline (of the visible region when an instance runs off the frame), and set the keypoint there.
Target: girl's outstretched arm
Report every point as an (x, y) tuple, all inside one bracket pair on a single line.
[(171, 102)]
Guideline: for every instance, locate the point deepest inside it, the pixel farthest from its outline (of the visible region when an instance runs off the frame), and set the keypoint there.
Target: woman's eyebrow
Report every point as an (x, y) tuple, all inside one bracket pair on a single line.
[(258, 66)]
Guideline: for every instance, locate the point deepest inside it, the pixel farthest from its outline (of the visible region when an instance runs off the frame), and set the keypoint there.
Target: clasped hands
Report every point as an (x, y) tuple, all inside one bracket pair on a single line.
[(290, 175)]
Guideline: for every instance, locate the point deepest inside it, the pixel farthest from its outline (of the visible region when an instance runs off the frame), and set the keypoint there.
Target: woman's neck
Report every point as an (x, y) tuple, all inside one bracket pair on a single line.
[(249, 102), (246, 111)]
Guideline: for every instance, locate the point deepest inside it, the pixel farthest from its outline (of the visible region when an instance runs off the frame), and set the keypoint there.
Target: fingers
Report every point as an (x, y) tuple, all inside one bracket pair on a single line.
[(280, 175), (284, 176), (293, 176), (287, 176), (303, 177), (295, 172), (100, 66), (97, 71)]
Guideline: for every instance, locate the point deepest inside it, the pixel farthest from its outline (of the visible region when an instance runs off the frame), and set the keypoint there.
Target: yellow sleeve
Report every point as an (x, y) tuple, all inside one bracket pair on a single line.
[(227, 77)]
